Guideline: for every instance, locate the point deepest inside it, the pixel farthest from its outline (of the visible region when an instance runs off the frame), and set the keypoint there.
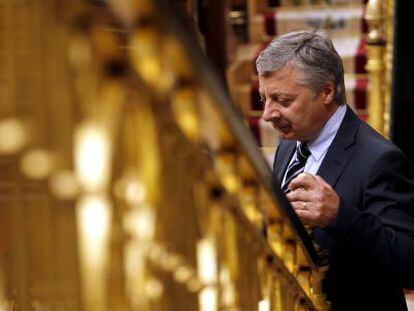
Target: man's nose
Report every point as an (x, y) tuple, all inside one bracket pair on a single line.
[(270, 113)]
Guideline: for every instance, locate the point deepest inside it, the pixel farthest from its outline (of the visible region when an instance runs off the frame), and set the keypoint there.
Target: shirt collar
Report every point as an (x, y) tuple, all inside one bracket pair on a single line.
[(320, 144)]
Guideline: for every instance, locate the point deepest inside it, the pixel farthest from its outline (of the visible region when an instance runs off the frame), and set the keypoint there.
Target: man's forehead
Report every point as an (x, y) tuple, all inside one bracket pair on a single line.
[(286, 75)]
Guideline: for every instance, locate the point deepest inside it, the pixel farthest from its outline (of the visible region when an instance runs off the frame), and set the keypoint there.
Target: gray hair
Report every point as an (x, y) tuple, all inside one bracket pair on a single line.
[(313, 53)]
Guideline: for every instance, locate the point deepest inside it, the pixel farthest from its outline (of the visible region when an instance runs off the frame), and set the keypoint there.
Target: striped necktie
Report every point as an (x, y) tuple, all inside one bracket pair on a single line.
[(298, 165)]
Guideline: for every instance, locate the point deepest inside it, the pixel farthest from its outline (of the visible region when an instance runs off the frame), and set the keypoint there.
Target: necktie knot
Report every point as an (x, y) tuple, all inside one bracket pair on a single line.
[(303, 152)]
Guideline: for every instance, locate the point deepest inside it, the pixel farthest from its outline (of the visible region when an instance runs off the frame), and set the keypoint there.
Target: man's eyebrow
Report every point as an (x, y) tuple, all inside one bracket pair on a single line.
[(282, 94)]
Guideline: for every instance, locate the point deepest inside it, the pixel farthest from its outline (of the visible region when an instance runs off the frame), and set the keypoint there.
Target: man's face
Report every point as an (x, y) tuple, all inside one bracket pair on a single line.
[(295, 111)]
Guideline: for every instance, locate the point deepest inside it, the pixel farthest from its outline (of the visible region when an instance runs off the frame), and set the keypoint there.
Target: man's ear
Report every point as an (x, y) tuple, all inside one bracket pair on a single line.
[(328, 93)]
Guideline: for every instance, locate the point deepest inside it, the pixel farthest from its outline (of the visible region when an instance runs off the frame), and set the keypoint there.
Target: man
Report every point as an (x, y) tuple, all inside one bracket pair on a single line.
[(357, 190)]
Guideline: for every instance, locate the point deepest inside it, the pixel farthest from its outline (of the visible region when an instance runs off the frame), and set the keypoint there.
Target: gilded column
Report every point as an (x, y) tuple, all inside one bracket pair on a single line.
[(388, 58), (375, 64)]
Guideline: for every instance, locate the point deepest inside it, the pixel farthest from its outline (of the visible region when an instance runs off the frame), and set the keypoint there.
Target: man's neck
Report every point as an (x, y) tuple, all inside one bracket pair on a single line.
[(335, 117), (330, 111)]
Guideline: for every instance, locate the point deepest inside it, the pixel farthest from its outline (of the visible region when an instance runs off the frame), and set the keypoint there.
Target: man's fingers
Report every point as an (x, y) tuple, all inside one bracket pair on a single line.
[(316, 203), (306, 216), (299, 194), (303, 180), (299, 205)]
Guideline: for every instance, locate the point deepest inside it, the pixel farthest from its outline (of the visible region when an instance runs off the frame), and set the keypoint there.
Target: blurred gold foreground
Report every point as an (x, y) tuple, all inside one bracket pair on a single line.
[(128, 180)]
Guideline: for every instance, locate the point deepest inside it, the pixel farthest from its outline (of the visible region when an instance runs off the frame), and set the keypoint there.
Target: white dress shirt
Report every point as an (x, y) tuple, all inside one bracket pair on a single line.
[(320, 145)]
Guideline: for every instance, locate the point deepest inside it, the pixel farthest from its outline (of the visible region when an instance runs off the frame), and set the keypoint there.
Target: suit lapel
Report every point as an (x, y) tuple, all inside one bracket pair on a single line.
[(339, 153)]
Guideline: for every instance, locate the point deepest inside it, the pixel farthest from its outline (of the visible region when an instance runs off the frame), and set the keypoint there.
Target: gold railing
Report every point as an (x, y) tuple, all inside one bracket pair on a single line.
[(380, 18), (128, 180)]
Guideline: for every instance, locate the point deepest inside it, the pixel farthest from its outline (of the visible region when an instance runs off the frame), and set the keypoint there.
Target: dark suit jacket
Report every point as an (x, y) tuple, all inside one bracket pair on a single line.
[(371, 243)]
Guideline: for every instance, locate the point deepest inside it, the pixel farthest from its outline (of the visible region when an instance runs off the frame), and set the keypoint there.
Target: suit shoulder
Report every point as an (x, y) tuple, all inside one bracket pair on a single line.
[(375, 150), (373, 142)]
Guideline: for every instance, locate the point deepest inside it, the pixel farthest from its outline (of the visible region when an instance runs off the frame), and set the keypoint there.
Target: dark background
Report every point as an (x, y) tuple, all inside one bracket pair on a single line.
[(402, 91)]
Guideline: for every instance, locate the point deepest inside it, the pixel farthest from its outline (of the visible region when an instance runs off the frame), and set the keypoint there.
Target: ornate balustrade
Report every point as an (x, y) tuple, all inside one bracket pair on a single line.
[(128, 179)]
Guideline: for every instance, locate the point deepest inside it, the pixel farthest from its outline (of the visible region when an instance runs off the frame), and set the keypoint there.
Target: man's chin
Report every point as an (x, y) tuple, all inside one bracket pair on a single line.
[(287, 133), (287, 136)]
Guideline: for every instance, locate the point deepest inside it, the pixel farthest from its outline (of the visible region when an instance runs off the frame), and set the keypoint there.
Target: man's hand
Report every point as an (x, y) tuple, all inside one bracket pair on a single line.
[(313, 199)]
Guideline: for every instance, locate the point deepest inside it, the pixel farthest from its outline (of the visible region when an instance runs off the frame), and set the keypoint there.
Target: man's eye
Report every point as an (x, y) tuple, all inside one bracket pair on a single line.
[(285, 103)]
